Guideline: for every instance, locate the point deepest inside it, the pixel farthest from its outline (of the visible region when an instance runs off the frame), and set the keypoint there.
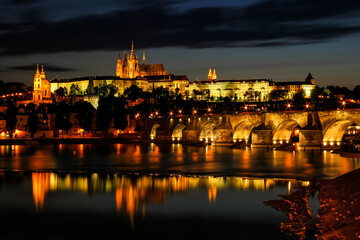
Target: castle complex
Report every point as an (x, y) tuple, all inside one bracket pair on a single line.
[(151, 76), (129, 67)]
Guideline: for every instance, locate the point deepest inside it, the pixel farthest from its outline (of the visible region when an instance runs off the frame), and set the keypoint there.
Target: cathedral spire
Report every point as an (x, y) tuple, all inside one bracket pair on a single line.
[(42, 75), (210, 74), (214, 76), (144, 58), (37, 69), (119, 58), (132, 55), (125, 58)]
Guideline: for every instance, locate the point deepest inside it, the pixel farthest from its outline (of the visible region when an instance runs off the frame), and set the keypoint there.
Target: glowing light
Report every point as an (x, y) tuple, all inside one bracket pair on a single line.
[(274, 142), (331, 143), (281, 142), (234, 140), (194, 111), (325, 143)]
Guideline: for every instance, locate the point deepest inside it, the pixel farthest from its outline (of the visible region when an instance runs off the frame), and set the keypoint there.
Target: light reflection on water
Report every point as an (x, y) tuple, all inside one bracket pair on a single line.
[(155, 183), (132, 191), (214, 160)]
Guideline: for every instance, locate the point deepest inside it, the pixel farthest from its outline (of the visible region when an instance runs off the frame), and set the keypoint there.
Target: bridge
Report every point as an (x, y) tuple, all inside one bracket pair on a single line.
[(309, 128)]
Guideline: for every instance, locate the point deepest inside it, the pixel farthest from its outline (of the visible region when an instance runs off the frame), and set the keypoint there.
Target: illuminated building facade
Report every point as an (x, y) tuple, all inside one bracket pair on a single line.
[(42, 90), (129, 67), (149, 77), (246, 90)]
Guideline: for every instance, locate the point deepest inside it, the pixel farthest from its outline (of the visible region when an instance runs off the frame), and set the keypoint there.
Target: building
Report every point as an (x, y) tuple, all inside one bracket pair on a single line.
[(252, 90), (129, 66), (128, 72), (295, 87), (42, 90), (241, 90)]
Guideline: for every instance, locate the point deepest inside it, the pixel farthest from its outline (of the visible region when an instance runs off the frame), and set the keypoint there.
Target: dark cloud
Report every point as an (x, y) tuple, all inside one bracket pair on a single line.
[(47, 67), (15, 2), (268, 23)]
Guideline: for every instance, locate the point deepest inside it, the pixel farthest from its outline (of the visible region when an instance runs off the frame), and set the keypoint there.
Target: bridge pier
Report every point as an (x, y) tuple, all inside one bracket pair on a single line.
[(310, 138), (261, 138)]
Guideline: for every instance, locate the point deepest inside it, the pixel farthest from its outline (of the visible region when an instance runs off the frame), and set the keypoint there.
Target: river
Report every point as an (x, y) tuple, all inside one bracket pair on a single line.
[(95, 191)]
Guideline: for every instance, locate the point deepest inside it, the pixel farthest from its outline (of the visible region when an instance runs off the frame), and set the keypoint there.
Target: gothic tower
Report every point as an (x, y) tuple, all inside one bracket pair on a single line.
[(119, 67), (214, 76), (132, 63), (210, 75)]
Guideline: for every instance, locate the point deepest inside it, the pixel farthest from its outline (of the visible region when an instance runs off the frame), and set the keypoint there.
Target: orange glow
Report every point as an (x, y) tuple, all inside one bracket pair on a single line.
[(212, 191), (41, 185)]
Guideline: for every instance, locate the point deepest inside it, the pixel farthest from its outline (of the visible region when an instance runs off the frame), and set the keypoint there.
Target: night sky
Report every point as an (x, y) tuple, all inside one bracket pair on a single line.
[(282, 40)]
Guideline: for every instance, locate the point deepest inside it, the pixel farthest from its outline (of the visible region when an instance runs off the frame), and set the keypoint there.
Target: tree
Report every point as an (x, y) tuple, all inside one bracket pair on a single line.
[(299, 99), (103, 117), (133, 92), (276, 95), (75, 90), (62, 115), (84, 114), (251, 95), (60, 92), (11, 118), (356, 92), (33, 123)]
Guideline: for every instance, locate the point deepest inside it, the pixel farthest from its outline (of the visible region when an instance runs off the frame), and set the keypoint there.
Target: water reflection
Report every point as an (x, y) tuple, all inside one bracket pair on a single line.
[(171, 158), (133, 191)]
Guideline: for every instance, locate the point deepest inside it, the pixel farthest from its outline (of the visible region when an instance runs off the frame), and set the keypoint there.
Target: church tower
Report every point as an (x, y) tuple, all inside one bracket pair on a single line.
[(210, 75), (132, 63), (42, 90), (119, 67), (309, 79), (214, 76), (37, 95)]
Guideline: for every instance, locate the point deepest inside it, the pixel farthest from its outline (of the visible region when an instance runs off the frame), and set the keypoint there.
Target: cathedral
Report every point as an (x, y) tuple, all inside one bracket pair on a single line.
[(129, 66), (41, 92)]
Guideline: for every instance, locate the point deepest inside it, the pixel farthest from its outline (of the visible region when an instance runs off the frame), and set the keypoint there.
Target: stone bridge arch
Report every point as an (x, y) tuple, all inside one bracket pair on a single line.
[(207, 131), (284, 130), (153, 131), (335, 130), (177, 133), (243, 131)]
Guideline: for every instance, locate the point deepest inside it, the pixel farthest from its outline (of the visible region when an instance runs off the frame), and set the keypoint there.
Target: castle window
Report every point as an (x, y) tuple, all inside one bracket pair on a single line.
[(38, 85), (39, 97), (45, 93)]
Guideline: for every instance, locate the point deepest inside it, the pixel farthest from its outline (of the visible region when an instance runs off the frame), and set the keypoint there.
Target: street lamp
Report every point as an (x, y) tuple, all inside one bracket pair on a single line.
[(288, 106)]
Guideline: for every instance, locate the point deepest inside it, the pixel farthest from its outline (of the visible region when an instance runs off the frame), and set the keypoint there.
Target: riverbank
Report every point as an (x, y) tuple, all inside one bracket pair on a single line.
[(338, 216), (339, 213)]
